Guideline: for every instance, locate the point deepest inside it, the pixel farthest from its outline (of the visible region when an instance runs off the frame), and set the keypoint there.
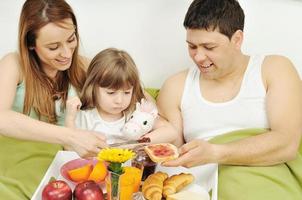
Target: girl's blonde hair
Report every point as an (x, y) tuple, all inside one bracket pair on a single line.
[(114, 69), (40, 90)]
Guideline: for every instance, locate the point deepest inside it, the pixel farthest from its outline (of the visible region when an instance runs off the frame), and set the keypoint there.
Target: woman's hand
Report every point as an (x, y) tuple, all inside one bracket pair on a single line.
[(87, 144), (194, 153)]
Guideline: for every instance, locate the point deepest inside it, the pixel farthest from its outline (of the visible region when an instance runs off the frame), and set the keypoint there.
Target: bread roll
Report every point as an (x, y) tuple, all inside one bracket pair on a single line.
[(153, 186), (175, 183)]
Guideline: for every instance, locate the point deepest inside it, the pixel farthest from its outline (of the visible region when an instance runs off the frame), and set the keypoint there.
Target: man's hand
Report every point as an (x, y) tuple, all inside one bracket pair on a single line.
[(196, 152)]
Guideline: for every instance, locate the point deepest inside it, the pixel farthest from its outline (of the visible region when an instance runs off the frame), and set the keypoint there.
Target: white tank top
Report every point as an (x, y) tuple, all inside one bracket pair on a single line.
[(204, 120)]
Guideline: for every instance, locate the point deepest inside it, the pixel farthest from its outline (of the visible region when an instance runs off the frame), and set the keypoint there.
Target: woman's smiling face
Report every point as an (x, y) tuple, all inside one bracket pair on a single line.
[(55, 45)]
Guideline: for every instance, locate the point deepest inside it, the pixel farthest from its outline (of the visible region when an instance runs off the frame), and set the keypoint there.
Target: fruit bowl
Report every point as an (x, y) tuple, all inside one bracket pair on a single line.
[(79, 170)]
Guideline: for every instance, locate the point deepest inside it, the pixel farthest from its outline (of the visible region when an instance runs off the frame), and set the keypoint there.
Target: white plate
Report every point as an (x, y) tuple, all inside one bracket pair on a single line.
[(194, 191), (205, 177)]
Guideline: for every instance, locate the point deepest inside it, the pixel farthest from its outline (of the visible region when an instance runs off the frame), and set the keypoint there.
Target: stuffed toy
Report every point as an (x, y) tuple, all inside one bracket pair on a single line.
[(141, 120)]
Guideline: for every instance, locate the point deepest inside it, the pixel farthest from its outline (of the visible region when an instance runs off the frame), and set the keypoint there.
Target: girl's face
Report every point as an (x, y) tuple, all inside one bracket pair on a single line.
[(55, 46), (112, 102)]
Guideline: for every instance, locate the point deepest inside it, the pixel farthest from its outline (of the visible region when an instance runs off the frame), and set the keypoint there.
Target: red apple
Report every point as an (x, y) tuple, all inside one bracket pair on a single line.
[(88, 190), (57, 190)]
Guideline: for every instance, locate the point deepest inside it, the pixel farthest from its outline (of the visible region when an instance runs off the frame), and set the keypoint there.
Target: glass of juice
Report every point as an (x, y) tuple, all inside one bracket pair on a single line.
[(136, 173), (119, 186), (126, 188)]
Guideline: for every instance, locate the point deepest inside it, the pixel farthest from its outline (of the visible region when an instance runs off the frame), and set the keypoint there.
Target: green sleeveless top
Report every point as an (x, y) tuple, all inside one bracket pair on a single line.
[(24, 163)]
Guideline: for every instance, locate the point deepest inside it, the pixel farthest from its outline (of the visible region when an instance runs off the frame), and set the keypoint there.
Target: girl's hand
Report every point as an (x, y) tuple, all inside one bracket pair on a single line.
[(87, 144), (194, 153), (72, 106)]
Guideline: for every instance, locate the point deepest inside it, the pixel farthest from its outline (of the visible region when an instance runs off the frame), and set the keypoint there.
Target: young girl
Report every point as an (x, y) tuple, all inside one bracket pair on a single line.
[(109, 95)]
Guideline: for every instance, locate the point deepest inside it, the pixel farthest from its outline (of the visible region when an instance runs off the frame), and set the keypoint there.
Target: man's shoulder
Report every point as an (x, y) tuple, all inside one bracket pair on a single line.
[(276, 68), (275, 64), (178, 78), (276, 61), (173, 87)]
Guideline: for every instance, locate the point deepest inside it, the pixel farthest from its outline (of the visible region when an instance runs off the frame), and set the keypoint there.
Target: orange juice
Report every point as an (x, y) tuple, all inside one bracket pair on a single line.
[(126, 186), (137, 174), (120, 186)]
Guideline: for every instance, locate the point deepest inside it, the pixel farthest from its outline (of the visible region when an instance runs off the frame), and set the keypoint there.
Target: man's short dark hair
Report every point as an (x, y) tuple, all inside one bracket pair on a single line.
[(226, 15)]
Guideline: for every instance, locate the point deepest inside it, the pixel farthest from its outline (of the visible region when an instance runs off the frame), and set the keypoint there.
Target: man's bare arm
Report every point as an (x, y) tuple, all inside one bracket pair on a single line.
[(284, 109), (169, 100)]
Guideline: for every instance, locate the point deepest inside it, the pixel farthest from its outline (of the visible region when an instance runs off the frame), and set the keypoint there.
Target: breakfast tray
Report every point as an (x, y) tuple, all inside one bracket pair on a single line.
[(203, 184)]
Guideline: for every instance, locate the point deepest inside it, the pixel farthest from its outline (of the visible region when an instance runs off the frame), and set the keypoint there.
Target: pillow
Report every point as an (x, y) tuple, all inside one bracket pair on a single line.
[(153, 92)]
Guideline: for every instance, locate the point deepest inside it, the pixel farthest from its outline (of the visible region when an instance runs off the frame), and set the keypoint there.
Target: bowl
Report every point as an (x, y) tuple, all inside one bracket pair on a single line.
[(73, 164)]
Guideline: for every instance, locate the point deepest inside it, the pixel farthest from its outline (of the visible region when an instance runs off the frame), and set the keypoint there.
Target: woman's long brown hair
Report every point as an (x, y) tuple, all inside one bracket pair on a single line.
[(40, 90), (114, 69)]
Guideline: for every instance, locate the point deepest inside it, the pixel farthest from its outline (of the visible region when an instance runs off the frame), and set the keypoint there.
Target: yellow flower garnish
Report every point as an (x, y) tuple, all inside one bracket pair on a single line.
[(115, 155)]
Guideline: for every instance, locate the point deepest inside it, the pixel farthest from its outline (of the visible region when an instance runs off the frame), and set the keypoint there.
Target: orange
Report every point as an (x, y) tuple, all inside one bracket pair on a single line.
[(136, 173), (127, 182), (80, 174), (99, 172)]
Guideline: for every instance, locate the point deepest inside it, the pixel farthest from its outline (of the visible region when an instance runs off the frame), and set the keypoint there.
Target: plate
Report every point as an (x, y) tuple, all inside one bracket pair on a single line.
[(206, 177), (198, 190), (73, 164)]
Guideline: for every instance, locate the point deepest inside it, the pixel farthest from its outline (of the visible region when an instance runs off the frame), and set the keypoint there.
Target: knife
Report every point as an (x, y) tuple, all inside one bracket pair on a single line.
[(139, 141)]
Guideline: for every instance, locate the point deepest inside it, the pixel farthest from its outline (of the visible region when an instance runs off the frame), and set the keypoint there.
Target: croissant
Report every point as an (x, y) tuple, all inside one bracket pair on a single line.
[(176, 183), (153, 186)]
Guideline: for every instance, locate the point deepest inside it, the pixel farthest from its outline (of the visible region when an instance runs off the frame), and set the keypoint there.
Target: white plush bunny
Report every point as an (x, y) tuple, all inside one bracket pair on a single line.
[(141, 121)]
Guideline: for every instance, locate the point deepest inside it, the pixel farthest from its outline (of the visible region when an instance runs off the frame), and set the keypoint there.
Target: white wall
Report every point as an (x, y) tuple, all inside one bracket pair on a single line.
[(151, 31), (274, 27)]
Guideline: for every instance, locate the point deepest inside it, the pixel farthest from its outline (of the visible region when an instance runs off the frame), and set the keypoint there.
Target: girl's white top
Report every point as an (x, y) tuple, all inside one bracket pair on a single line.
[(91, 120)]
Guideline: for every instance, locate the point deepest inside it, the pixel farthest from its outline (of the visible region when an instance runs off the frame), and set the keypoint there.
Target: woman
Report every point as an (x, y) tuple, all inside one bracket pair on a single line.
[(35, 83)]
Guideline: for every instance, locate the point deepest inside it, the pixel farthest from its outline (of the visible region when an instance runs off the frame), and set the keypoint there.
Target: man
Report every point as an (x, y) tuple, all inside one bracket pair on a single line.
[(230, 91)]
